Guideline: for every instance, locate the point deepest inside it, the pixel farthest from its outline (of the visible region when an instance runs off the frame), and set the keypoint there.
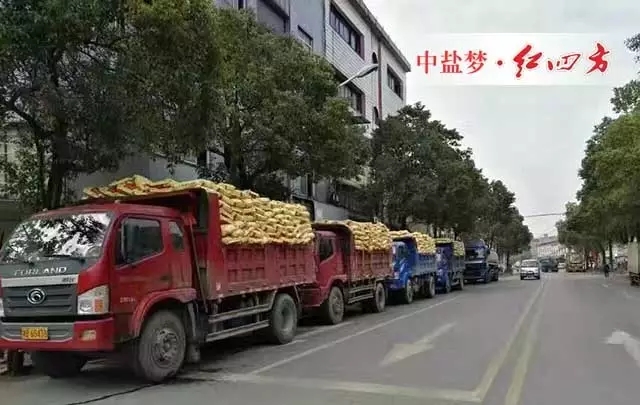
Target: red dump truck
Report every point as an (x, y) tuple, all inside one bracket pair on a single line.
[(345, 275), (147, 277)]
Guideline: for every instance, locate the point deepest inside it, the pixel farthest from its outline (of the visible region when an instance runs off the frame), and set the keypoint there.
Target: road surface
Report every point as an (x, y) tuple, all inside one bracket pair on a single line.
[(567, 339)]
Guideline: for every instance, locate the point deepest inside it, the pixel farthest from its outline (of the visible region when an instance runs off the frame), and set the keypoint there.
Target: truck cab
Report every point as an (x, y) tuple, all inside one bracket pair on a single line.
[(75, 281), (344, 275), (481, 262)]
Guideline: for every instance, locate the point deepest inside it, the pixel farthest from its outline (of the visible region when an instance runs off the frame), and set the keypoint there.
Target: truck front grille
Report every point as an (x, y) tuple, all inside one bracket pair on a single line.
[(60, 300)]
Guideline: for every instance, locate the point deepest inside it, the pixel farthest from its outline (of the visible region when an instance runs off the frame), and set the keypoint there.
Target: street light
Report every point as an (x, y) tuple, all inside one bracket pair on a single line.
[(365, 71)]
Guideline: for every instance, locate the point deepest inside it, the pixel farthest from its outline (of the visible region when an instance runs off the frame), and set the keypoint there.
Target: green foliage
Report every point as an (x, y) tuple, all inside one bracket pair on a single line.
[(281, 114), (420, 172), (607, 210)]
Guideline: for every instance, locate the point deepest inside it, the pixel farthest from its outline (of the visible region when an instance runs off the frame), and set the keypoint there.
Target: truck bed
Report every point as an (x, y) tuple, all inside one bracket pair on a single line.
[(239, 269), (228, 270), (426, 264), (370, 265)]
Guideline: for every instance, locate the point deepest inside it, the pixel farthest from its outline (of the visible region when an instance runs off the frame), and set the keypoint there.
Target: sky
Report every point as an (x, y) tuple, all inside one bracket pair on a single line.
[(530, 137)]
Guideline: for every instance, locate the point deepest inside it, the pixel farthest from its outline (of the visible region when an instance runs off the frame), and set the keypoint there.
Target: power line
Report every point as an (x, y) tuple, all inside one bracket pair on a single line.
[(550, 214)]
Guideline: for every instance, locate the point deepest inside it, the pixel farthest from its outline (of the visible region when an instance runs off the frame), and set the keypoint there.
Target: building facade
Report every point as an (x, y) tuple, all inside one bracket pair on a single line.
[(547, 246), (350, 38)]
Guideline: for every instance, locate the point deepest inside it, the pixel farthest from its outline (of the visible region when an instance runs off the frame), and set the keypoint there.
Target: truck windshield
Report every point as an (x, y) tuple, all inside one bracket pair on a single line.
[(73, 235), (475, 253)]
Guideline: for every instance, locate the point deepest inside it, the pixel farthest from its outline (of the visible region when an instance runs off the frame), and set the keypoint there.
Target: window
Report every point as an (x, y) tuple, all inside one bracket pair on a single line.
[(272, 17), (354, 96), (138, 239), (325, 249), (346, 30), (305, 38), (394, 82), (177, 236)]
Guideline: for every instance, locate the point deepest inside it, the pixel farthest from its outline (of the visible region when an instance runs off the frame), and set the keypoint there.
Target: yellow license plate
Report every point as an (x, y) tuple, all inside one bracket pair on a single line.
[(35, 333)]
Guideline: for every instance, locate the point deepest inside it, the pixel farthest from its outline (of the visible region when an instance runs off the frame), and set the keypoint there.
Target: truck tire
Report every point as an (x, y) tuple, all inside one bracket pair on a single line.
[(407, 294), (59, 364), (333, 307), (430, 287), (379, 301), (160, 350), (283, 320)]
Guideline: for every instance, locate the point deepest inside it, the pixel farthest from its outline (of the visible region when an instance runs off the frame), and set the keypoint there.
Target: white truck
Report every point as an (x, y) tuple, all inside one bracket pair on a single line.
[(633, 252)]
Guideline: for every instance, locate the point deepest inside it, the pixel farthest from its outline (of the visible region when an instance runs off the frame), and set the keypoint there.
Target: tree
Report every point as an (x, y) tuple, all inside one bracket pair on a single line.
[(419, 171), (93, 81), (281, 114), (497, 207), (513, 236)]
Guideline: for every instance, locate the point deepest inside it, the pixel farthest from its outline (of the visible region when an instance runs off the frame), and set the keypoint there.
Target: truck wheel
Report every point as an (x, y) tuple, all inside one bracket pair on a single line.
[(283, 320), (407, 297), (379, 300), (333, 307), (161, 349), (430, 287), (59, 364)]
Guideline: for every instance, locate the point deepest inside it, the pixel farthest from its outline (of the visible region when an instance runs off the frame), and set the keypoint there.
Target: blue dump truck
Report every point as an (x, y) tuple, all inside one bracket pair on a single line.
[(481, 263), (450, 265), (414, 271)]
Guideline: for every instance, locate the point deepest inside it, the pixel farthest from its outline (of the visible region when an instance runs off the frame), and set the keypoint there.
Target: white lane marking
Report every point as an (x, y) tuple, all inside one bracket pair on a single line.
[(497, 362), (322, 329), (605, 285), (403, 351), (630, 343), (348, 337), (347, 386)]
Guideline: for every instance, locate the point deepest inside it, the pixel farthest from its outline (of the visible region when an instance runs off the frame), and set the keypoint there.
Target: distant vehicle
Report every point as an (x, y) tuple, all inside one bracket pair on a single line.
[(530, 268), (562, 266), (481, 263), (548, 264)]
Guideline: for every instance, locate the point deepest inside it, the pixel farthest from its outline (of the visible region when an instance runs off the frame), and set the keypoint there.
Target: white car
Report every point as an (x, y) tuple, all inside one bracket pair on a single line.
[(529, 268)]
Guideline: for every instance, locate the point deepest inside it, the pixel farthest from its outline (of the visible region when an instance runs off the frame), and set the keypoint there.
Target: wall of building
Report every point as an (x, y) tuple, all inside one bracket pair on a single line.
[(346, 60), (392, 102)]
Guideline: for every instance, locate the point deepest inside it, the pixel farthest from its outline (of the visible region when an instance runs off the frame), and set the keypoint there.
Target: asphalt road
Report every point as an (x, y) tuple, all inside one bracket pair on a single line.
[(567, 339)]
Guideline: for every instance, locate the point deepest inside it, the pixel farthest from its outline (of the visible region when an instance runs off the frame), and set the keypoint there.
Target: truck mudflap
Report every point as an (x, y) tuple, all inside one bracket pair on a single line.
[(88, 336), (312, 297)]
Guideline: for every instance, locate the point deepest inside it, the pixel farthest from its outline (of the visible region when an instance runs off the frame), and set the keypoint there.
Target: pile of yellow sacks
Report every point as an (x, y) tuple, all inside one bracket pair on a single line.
[(246, 217), (368, 236), (458, 248), (424, 243)]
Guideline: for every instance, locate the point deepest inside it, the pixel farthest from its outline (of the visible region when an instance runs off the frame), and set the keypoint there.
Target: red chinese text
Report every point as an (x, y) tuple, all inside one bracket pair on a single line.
[(451, 62), (427, 61), (599, 62), (566, 62), (475, 60), (526, 61)]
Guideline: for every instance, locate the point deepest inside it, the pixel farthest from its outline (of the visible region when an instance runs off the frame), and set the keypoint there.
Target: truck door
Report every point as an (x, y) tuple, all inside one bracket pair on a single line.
[(329, 259), (141, 266)]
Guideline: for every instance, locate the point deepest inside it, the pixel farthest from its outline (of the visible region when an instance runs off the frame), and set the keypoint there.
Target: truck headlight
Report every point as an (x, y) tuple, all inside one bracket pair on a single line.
[(94, 301), (1, 308)]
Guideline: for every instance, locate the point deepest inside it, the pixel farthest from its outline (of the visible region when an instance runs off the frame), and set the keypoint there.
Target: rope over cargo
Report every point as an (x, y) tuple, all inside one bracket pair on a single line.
[(368, 236), (246, 217)]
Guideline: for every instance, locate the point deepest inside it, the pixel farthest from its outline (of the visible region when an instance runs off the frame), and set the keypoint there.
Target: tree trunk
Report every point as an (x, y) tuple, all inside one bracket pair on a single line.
[(611, 255), (508, 261)]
